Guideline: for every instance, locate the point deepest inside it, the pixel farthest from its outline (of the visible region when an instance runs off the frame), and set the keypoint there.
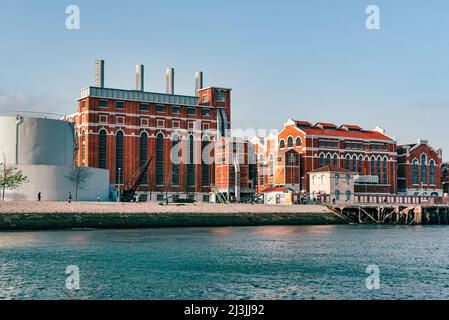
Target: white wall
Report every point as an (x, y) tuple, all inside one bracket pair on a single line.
[(51, 181)]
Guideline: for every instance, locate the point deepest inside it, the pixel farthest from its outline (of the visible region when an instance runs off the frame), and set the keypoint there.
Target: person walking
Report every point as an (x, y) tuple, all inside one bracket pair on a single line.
[(98, 199), (39, 196), (70, 197)]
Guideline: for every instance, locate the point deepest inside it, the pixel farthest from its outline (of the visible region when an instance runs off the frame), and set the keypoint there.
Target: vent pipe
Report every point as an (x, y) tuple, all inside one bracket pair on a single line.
[(198, 81), (99, 73), (170, 80), (139, 77)]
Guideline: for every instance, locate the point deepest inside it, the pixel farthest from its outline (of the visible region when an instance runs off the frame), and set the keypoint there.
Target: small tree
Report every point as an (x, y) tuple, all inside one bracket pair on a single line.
[(11, 178), (78, 176)]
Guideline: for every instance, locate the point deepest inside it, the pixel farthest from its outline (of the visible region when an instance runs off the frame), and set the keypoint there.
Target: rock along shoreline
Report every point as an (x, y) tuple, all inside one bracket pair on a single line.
[(62, 215)]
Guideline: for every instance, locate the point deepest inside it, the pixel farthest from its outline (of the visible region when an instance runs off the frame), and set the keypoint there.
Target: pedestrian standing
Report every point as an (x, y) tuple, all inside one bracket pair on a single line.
[(98, 199), (39, 196), (70, 197)]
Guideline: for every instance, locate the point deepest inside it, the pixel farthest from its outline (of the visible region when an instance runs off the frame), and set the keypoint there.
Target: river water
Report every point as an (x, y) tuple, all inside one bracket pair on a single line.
[(292, 262)]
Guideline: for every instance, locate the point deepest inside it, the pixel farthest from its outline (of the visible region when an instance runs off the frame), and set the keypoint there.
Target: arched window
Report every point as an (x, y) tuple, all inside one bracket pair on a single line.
[(298, 142), (321, 160), (360, 167), (348, 178), (190, 163), (160, 159), (337, 178), (290, 142), (119, 169), (102, 149), (432, 172), (379, 166), (144, 156), (348, 162), (337, 195), (424, 169), (271, 166), (175, 160), (328, 160), (354, 164), (205, 159), (335, 160), (282, 144), (348, 195), (83, 148), (385, 171), (415, 172), (373, 166)]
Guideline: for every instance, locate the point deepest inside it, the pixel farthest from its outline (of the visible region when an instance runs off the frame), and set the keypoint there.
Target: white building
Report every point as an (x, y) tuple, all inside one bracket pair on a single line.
[(329, 184), (43, 149)]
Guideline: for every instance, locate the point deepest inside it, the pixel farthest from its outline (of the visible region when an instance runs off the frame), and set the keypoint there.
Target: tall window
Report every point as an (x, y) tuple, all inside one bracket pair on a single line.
[(298, 142), (424, 169), (336, 160), (385, 171), (337, 195), (373, 166), (348, 163), (348, 195), (379, 166), (119, 157), (360, 170), (432, 172), (102, 149), (415, 172), (175, 161), (205, 156), (190, 164), (144, 156), (354, 164), (321, 160), (83, 148), (160, 159), (290, 142), (328, 159), (282, 144)]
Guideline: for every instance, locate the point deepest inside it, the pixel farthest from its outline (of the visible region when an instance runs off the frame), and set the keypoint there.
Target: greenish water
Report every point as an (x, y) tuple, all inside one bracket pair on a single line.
[(304, 262)]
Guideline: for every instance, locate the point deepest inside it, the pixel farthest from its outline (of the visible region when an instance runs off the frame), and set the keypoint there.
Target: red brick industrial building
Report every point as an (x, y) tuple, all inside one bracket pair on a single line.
[(419, 169), (120, 130)]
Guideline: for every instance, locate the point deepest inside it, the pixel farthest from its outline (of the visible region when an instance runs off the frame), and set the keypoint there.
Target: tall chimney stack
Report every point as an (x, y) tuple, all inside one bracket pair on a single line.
[(99, 73), (198, 81), (170, 79), (140, 77)]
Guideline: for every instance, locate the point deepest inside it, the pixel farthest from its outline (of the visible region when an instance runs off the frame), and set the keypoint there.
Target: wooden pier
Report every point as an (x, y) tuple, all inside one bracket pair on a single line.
[(394, 214)]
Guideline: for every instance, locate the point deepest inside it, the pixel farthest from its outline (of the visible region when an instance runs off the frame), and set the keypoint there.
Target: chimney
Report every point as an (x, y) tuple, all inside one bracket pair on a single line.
[(170, 80), (198, 81), (99, 73), (139, 77)]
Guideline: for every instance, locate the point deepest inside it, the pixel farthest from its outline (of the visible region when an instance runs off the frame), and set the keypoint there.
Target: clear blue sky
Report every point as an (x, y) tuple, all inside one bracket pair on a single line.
[(311, 60)]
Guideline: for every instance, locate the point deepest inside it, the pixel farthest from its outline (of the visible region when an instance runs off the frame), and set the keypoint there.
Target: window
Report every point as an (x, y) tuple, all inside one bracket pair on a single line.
[(83, 148), (385, 171), (348, 178), (176, 124), (424, 169), (175, 110), (160, 123), (119, 105), (298, 142), (205, 152), (328, 159), (206, 198), (144, 107), (160, 108), (119, 120), (191, 111), (175, 160), (321, 160), (354, 164), (160, 159), (144, 156), (190, 125), (379, 166), (432, 172), (102, 118), (144, 122), (102, 151), (103, 103), (348, 195), (337, 195), (119, 157), (290, 142), (190, 163), (205, 98), (83, 104), (220, 96), (282, 144), (373, 166), (415, 172), (348, 163), (335, 160), (205, 112), (337, 178), (206, 126), (360, 168), (271, 166)]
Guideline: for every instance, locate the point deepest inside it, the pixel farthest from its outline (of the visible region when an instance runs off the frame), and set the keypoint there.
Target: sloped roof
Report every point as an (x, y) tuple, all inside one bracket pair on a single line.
[(330, 168)]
